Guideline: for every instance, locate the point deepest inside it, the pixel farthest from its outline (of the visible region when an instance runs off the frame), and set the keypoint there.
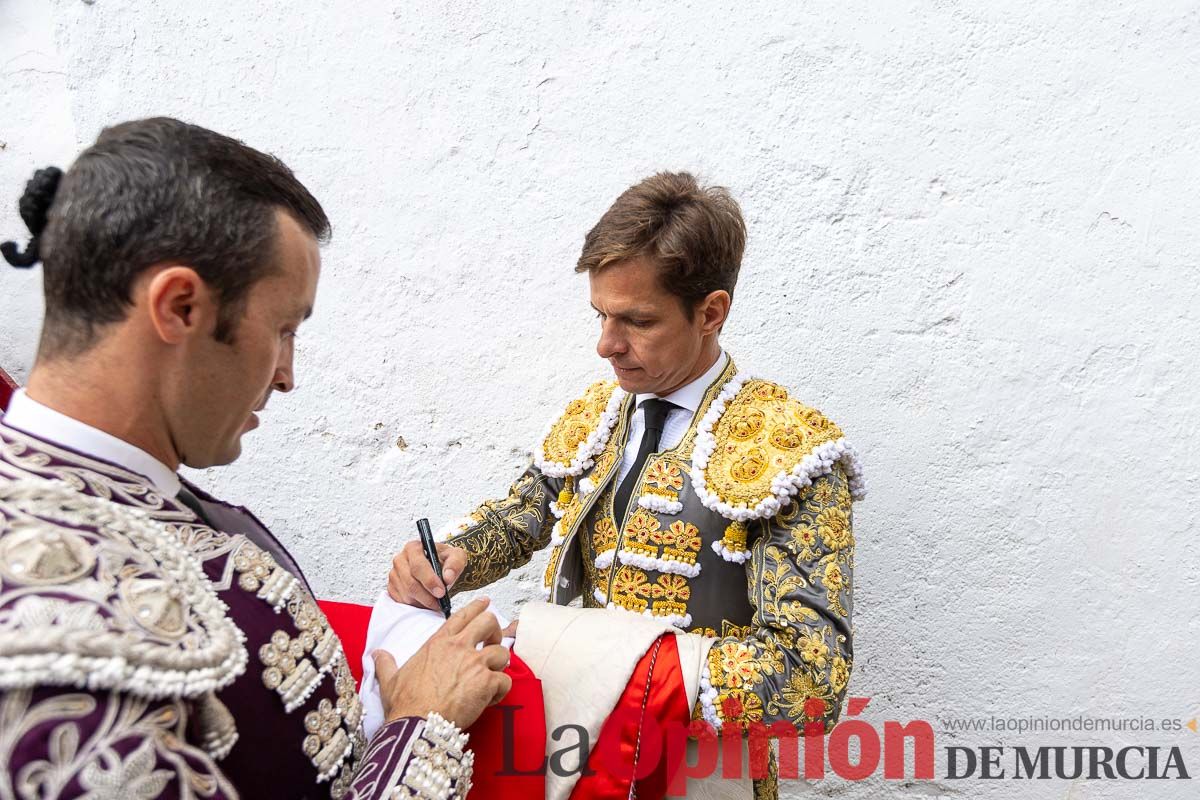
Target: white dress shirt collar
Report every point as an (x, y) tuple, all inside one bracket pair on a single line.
[(688, 397), (28, 415)]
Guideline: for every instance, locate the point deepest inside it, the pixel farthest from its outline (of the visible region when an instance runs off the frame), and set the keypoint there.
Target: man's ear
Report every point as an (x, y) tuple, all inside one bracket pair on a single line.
[(713, 311), (180, 304)]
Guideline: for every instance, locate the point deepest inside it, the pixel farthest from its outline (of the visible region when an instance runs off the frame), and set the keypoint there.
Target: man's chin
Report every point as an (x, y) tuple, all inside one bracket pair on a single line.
[(632, 381), (218, 458)]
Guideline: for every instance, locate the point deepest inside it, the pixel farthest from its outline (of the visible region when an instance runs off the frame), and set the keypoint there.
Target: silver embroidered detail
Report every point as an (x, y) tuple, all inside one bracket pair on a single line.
[(132, 608), (441, 765)]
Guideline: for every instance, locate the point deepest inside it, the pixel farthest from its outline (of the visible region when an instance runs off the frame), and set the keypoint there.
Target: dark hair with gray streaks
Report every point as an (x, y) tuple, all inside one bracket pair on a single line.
[(148, 192)]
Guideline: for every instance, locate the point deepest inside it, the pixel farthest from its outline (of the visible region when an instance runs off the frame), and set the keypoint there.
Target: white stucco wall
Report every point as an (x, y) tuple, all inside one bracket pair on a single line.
[(973, 238)]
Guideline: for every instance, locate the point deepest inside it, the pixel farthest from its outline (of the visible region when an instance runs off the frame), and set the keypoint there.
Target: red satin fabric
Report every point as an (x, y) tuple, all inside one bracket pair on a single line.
[(665, 708), (523, 744), (349, 621), (509, 741)]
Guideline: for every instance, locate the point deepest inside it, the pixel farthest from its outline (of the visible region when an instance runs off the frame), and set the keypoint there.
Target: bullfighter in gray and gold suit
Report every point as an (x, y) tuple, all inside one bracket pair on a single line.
[(685, 490)]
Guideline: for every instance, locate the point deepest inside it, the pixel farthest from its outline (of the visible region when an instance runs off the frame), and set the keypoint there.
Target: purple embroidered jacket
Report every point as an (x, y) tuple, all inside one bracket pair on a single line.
[(148, 651)]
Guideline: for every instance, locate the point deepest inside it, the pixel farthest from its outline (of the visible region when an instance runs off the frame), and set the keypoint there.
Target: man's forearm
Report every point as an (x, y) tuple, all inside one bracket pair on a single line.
[(503, 535)]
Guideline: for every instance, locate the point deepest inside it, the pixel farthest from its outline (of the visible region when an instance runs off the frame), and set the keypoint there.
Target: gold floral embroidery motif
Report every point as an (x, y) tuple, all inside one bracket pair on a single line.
[(839, 675), (740, 706), (748, 465), (745, 423), (670, 593), (663, 479), (581, 417), (604, 535), (629, 589), (787, 437), (834, 580), (639, 532), (763, 432), (813, 649), (680, 542), (736, 664), (804, 540), (792, 700), (633, 590), (833, 524), (665, 475)]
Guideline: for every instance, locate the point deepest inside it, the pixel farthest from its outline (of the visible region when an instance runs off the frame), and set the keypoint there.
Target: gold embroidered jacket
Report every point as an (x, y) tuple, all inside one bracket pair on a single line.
[(741, 532)]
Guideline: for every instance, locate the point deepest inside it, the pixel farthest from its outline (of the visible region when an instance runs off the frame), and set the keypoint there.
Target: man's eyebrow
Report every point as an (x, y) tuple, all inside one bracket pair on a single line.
[(631, 313)]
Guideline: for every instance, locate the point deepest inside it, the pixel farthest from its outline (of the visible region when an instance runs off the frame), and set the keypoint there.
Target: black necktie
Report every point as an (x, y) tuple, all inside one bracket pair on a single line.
[(654, 414)]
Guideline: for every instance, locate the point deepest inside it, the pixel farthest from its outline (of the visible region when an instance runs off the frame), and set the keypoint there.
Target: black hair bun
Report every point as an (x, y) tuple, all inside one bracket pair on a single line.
[(35, 209)]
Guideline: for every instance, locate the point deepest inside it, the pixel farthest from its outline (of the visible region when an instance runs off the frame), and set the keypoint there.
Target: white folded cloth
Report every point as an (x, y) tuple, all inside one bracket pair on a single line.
[(400, 630)]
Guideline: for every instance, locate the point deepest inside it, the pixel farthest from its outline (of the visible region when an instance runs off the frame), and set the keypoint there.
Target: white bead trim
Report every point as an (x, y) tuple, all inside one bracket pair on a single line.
[(735, 556), (786, 484), (659, 504), (589, 448), (600, 596), (604, 560), (708, 698), (643, 561), (556, 509), (557, 537), (587, 486), (672, 619)]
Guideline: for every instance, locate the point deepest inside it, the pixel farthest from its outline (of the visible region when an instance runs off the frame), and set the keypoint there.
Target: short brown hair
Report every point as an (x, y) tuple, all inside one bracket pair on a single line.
[(694, 234)]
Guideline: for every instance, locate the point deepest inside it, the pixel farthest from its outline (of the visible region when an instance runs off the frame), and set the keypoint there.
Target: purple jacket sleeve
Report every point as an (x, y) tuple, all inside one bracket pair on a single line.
[(414, 757)]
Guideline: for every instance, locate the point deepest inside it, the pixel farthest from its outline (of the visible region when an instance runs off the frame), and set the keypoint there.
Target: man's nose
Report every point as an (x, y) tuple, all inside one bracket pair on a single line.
[(284, 379), (611, 342)]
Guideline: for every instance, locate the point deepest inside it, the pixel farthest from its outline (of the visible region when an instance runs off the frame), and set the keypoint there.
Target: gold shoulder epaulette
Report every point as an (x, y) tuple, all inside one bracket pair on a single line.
[(579, 435), (757, 447)]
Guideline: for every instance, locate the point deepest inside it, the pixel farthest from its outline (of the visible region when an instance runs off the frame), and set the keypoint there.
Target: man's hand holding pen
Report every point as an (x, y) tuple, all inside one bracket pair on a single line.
[(413, 580)]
